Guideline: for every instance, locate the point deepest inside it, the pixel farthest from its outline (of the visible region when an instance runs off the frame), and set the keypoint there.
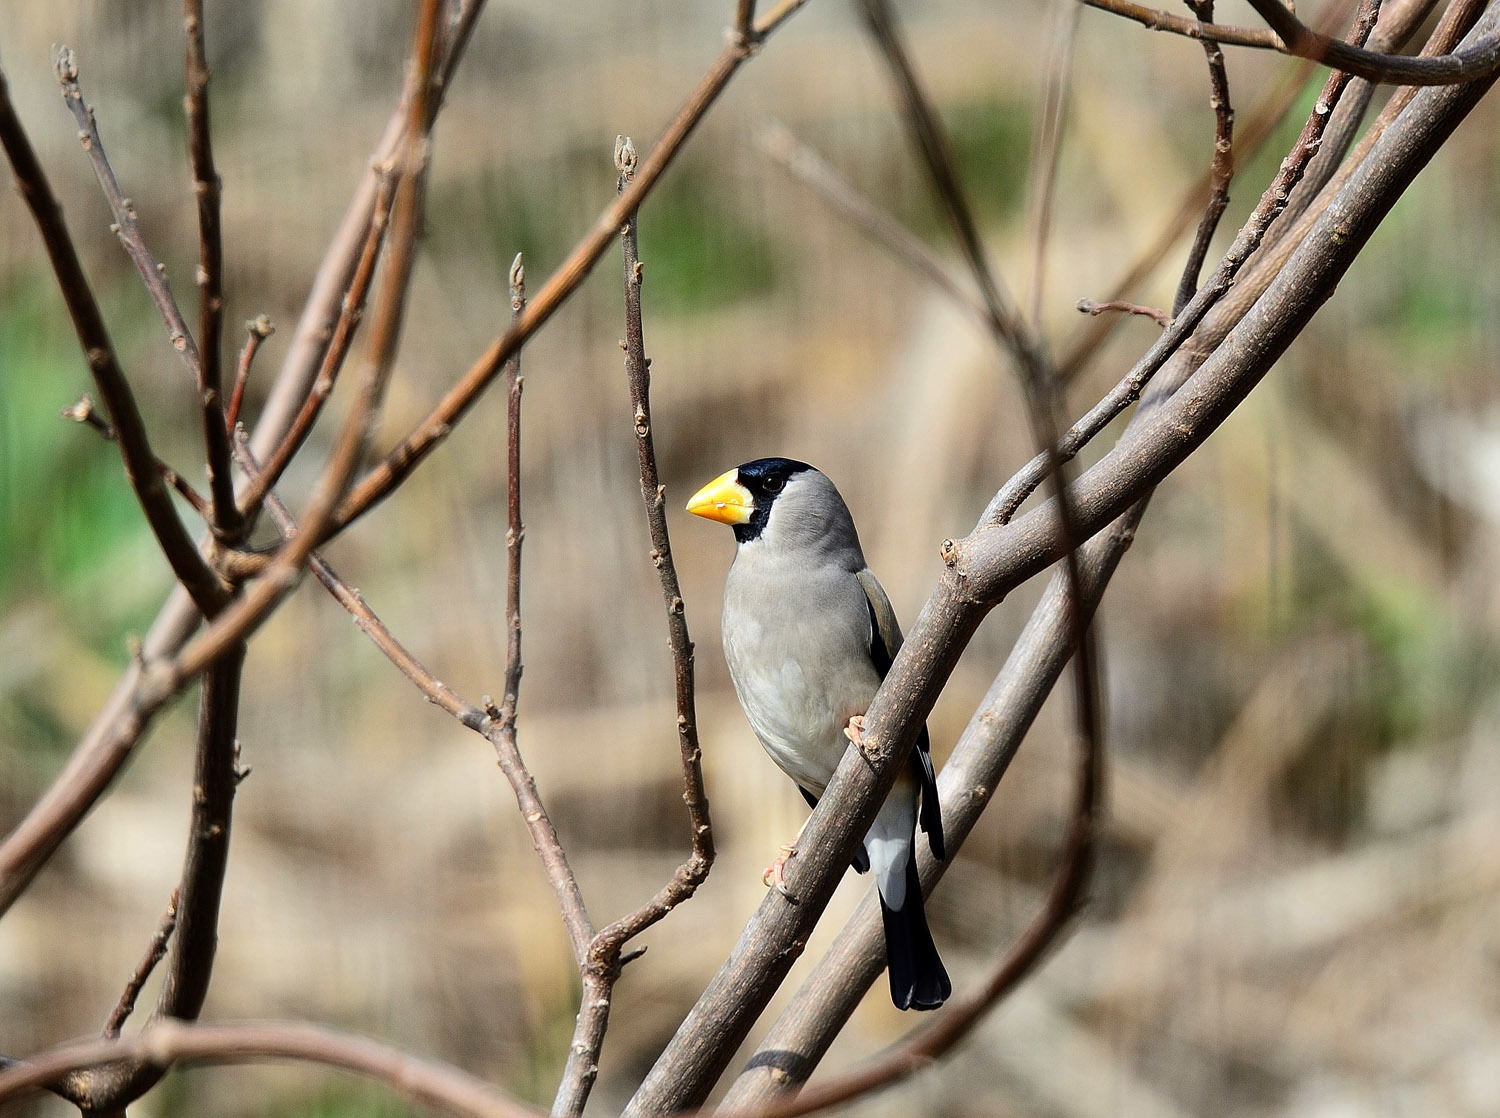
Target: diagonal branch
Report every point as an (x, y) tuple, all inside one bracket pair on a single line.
[(207, 592), (993, 560), (155, 952), (1186, 320)]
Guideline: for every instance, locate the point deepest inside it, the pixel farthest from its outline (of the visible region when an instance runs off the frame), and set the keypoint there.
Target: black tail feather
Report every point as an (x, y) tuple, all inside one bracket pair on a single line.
[(918, 980), (931, 817)]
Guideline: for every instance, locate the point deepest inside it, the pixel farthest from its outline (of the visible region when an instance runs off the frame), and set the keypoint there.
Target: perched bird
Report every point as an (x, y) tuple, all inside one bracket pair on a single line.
[(809, 634)]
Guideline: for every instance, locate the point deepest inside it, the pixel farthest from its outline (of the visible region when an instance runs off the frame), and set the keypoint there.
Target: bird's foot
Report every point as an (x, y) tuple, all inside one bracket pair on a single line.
[(775, 874), (855, 732)]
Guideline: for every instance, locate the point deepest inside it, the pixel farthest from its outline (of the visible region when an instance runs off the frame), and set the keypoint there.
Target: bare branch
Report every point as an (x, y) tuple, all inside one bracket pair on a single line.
[(350, 313), (127, 227), (993, 560), (603, 966), (1155, 314), (1221, 167), (257, 330), (154, 954), (1290, 35), (86, 413), (1128, 390), (163, 1043), (207, 592), (208, 189)]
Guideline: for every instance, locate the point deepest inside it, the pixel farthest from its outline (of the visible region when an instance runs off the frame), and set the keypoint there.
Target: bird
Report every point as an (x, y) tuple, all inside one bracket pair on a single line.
[(809, 634)]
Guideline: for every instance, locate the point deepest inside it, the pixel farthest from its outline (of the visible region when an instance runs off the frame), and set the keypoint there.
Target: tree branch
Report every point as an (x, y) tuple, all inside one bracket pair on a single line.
[(128, 228), (207, 592), (1221, 167), (1289, 35), (257, 330), (208, 189), (163, 1043), (992, 560), (155, 952), (1186, 320)]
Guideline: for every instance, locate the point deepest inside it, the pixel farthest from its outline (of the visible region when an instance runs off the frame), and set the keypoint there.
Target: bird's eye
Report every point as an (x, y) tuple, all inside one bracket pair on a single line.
[(774, 484)]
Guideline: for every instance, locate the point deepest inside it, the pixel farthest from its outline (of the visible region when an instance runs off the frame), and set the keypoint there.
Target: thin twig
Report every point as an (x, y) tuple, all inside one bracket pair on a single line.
[(86, 413), (1289, 35), (285, 566), (515, 529), (208, 190), (163, 1043), (128, 228), (1128, 390), (154, 953), (148, 684), (1156, 314), (350, 313), (1221, 167), (603, 967), (1264, 116), (257, 330), (207, 592)]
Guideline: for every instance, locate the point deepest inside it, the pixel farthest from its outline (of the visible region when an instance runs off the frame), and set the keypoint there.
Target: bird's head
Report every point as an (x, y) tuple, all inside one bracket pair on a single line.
[(780, 498)]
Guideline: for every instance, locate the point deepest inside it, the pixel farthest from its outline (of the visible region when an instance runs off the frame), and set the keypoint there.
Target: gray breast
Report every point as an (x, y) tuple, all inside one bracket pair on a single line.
[(796, 638)]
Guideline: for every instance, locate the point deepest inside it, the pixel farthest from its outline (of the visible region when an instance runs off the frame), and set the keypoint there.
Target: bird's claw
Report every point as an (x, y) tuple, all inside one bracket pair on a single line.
[(855, 732), (775, 874)]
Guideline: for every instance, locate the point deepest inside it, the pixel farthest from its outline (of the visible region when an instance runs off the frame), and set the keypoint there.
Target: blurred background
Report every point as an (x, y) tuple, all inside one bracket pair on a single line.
[(1297, 912)]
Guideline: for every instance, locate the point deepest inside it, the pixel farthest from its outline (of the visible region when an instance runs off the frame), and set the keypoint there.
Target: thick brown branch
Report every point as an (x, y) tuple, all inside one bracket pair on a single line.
[(208, 593), (113, 1086), (993, 560)]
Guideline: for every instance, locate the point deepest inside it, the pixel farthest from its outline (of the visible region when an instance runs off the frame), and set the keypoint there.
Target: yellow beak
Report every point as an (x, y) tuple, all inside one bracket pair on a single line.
[(724, 499)]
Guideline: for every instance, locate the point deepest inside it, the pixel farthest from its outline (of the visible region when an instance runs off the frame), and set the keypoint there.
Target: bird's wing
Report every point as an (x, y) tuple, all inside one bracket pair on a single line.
[(885, 642)]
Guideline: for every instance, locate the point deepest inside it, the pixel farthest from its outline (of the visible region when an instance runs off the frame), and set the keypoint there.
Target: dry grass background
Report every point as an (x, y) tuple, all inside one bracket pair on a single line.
[(1297, 912)]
